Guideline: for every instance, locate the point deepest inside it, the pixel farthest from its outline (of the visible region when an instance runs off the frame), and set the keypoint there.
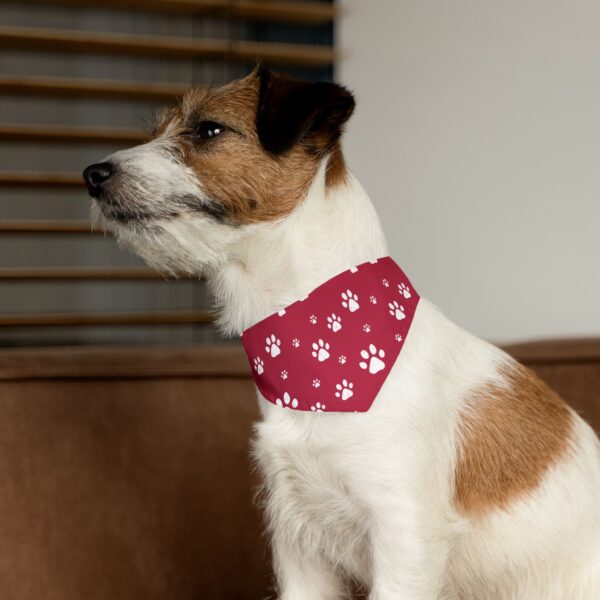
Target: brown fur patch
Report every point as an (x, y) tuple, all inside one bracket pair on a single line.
[(234, 170), (509, 437)]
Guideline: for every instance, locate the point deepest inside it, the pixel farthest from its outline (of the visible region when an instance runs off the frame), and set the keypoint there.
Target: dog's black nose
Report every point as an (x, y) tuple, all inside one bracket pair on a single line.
[(96, 175)]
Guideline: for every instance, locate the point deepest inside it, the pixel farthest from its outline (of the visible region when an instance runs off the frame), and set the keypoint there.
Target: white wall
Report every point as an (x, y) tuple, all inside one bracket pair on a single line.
[(477, 135)]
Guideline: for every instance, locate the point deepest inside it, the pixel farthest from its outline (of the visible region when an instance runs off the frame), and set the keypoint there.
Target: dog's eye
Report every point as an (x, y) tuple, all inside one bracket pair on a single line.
[(207, 130)]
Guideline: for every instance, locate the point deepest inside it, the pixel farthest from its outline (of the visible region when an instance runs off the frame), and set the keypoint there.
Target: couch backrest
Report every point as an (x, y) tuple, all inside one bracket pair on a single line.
[(125, 473)]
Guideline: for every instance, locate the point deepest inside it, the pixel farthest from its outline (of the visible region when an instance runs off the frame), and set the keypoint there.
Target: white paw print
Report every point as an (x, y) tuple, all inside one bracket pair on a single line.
[(404, 291), (366, 328), (318, 407), (385, 282), (350, 301), (273, 346), (321, 350), (344, 389), (398, 337), (372, 359), (342, 359), (396, 310), (259, 365), (296, 343), (312, 319), (316, 383), (284, 374), (334, 322), (372, 300), (287, 402)]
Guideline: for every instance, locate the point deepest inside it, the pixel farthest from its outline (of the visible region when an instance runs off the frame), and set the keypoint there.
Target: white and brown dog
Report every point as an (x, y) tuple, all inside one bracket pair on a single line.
[(468, 478)]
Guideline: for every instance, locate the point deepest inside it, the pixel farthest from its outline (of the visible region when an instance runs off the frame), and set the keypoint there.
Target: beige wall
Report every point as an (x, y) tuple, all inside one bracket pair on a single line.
[(477, 135)]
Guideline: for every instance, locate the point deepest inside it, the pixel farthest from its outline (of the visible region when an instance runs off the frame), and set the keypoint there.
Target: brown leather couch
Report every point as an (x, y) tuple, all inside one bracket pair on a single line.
[(124, 473)]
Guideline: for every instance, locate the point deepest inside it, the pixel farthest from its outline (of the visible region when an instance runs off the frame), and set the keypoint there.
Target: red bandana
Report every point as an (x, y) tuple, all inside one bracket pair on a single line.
[(333, 350)]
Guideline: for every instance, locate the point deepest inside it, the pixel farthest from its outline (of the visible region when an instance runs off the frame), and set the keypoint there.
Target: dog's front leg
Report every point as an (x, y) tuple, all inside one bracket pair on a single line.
[(409, 556), (303, 577)]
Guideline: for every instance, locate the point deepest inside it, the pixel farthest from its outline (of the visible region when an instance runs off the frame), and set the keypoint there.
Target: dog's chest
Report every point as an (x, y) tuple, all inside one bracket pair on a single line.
[(309, 490)]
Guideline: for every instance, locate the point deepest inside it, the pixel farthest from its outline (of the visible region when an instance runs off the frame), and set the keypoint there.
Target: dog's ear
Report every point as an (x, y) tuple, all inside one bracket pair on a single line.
[(290, 111)]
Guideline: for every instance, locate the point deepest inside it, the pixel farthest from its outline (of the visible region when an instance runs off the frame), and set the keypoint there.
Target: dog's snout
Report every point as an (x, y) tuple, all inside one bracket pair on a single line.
[(96, 175)]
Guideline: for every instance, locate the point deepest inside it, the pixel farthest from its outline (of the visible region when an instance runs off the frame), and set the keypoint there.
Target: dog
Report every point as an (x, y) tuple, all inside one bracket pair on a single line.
[(468, 478)]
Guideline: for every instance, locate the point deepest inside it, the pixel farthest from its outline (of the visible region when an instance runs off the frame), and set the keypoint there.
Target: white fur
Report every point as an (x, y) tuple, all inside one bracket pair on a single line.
[(370, 495)]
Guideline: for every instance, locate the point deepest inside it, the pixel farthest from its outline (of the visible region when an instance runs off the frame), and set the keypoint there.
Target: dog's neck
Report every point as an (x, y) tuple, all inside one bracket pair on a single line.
[(333, 229)]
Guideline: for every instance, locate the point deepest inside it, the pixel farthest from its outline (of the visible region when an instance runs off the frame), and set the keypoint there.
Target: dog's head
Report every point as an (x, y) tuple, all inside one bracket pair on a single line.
[(223, 160)]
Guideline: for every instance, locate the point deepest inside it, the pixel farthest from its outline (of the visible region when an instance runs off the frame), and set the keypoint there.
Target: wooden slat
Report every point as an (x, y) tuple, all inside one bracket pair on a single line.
[(70, 135), (90, 88), (40, 180), (53, 227), (293, 12), (53, 40), (14, 274), (182, 317)]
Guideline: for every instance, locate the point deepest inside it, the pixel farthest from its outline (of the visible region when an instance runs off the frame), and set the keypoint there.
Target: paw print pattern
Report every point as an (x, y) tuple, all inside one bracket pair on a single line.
[(273, 347), (372, 359), (334, 322), (350, 301), (287, 402), (336, 345), (320, 350), (396, 310), (259, 365), (344, 389), (404, 291)]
